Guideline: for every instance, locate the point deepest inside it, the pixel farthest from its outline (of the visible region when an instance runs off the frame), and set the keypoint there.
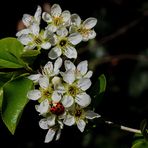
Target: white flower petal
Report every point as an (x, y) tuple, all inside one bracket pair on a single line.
[(54, 53), (62, 32), (44, 82), (25, 39), (89, 23), (34, 94), (51, 120), (27, 20), (43, 123), (65, 15), (35, 29), (46, 17), (61, 124), (48, 68), (81, 125), (70, 52), (29, 47), (56, 81), (92, 34), (37, 15), (67, 101), (83, 99), (69, 120), (46, 45), (73, 29), (69, 65), (50, 135), (60, 89), (56, 97), (88, 75), (56, 10), (24, 31), (75, 19), (82, 67), (34, 77), (69, 77), (75, 38), (53, 39), (51, 28), (91, 115), (85, 37), (58, 135), (57, 65), (43, 107), (84, 83)]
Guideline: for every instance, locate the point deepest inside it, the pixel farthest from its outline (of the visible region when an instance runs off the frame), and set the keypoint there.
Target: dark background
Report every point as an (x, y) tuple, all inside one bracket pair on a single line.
[(120, 51)]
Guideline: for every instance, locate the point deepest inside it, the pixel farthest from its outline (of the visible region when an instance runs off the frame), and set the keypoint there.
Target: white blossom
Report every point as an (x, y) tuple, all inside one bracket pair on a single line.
[(65, 44), (85, 28), (56, 18), (79, 117)]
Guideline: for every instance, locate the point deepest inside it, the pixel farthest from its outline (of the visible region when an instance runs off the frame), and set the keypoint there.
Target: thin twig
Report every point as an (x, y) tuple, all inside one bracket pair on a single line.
[(125, 128), (117, 58), (120, 31)]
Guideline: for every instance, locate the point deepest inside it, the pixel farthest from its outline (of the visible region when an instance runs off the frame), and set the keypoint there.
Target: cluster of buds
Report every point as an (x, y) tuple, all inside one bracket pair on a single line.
[(61, 95)]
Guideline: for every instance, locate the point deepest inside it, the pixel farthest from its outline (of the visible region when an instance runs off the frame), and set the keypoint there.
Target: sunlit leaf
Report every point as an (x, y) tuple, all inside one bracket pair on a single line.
[(10, 52), (14, 101), (11, 45), (30, 53)]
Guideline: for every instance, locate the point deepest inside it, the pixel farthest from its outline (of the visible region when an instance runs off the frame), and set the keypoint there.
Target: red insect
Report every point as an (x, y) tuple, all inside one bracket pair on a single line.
[(57, 108)]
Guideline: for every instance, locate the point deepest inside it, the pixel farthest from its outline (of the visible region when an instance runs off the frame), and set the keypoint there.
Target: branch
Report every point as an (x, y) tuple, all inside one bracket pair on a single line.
[(125, 128), (120, 31), (115, 59)]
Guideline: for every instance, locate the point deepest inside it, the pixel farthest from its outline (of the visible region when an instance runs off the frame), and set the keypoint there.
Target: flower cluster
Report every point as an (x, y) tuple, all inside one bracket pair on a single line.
[(61, 94)]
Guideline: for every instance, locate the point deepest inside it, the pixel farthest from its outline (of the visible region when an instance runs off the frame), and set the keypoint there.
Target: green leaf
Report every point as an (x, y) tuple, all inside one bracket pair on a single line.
[(4, 77), (11, 45), (10, 53), (98, 89), (30, 53), (140, 144), (29, 56), (143, 127), (14, 101), (102, 83)]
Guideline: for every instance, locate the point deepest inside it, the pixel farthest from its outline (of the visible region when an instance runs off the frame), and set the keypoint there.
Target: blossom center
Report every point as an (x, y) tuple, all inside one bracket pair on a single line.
[(78, 113), (84, 31), (57, 21), (57, 108), (38, 40), (62, 43), (46, 93), (73, 90)]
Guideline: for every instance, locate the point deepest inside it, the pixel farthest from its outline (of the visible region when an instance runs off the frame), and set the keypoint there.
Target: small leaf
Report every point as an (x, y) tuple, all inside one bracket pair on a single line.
[(98, 90), (14, 101), (29, 56), (30, 53), (10, 53), (102, 83)]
